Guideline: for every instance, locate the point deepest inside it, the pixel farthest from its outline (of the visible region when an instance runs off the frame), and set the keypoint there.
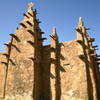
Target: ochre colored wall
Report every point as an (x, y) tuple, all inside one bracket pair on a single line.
[(60, 71), (72, 81), (72, 74), (2, 74)]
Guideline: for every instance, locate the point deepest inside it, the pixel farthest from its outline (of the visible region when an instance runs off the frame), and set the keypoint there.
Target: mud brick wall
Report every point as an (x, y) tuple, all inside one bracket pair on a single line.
[(46, 87), (20, 72), (72, 81), (2, 74), (59, 71)]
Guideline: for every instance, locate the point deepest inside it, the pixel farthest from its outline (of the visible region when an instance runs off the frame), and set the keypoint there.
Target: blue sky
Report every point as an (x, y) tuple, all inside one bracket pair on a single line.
[(63, 14)]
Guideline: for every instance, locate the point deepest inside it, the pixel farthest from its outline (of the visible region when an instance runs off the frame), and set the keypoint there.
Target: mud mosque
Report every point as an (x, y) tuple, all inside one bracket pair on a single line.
[(59, 71)]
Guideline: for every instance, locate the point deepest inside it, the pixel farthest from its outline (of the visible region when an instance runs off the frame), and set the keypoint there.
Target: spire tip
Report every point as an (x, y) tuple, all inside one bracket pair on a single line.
[(80, 22), (80, 18), (31, 4), (54, 29)]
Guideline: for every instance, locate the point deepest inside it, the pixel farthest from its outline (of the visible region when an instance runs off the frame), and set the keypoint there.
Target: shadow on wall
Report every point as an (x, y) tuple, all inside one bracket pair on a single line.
[(57, 77), (58, 69), (42, 86), (88, 65)]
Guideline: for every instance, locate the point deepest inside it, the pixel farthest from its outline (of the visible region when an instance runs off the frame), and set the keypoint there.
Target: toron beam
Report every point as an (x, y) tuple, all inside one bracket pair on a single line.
[(30, 14), (42, 39), (7, 44), (52, 36), (38, 29), (5, 55), (30, 42), (52, 60), (98, 55), (23, 25), (91, 40), (25, 15), (32, 58), (29, 23), (13, 35), (39, 22), (81, 55), (80, 41), (41, 32), (77, 29), (4, 63), (35, 10), (95, 46), (92, 55), (92, 49), (87, 29), (97, 59), (52, 48), (30, 31)]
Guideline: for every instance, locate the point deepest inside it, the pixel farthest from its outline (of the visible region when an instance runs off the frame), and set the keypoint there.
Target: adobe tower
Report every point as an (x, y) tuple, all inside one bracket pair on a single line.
[(59, 71)]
